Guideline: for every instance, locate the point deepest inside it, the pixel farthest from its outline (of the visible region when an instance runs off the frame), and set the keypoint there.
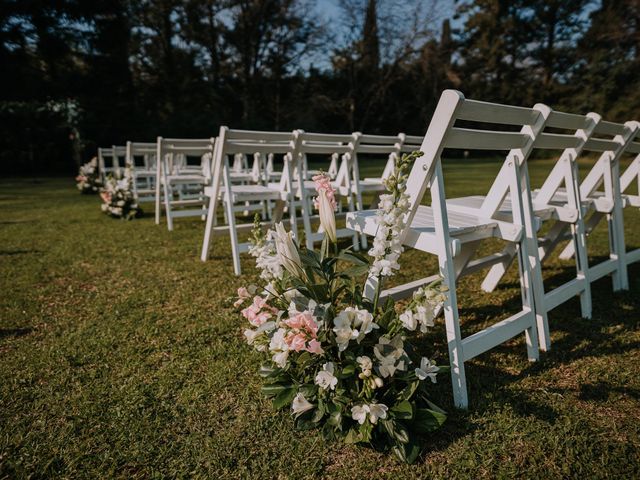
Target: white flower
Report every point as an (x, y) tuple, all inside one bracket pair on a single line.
[(250, 335), (327, 217), (408, 320), (352, 324), (280, 358), (300, 404), (325, 378), (287, 251), (425, 316), (427, 369), (366, 365), (378, 382), (390, 355), (280, 349), (374, 411), (359, 413), (267, 259), (344, 332)]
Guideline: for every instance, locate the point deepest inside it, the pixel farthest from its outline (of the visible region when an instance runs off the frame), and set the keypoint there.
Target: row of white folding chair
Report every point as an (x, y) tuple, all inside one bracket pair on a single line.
[(141, 157), (452, 229), (175, 177), (604, 194)]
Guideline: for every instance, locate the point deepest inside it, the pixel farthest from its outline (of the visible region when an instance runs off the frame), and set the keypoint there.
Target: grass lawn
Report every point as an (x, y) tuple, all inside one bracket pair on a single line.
[(121, 356)]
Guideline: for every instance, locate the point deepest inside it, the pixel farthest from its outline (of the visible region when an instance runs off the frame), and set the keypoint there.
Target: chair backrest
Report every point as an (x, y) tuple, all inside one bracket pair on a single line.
[(443, 133), (173, 152), (255, 144), (610, 140), (385, 146), (329, 145), (145, 150), (108, 161), (632, 172)]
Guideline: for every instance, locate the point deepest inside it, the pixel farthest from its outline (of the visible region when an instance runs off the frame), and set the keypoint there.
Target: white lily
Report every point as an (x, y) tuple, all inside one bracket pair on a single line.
[(325, 378), (287, 251), (427, 369), (300, 404), (327, 216)]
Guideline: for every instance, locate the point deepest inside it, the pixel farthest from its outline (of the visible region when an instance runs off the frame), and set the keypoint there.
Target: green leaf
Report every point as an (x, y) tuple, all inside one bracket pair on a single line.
[(427, 420), (355, 271), (347, 371), (284, 398), (335, 419), (270, 389), (407, 453), (352, 436), (408, 391), (353, 257), (403, 410), (266, 371)]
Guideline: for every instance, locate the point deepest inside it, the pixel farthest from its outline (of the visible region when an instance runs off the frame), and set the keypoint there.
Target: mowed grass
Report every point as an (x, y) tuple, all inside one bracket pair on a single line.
[(122, 357)]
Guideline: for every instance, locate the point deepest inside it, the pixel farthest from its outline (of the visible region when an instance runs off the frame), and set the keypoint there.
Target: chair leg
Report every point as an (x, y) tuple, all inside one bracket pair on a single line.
[(306, 221), (497, 271), (582, 266), (167, 206), (235, 251), (158, 202), (454, 338), (204, 255)]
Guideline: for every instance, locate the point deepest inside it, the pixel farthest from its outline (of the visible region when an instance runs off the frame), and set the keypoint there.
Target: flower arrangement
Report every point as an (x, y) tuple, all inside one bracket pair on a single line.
[(118, 198), (340, 361), (88, 179)]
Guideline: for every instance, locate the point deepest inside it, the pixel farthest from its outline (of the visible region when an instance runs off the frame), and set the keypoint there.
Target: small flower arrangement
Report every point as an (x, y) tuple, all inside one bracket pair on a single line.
[(88, 178), (118, 198), (340, 361)]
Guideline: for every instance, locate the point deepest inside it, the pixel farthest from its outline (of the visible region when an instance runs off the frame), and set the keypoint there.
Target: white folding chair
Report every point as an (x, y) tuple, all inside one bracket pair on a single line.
[(141, 157), (180, 186), (603, 193), (453, 236), (235, 196)]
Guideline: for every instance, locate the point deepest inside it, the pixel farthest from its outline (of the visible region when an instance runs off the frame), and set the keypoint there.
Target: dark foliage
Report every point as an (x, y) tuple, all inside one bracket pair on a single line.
[(78, 74)]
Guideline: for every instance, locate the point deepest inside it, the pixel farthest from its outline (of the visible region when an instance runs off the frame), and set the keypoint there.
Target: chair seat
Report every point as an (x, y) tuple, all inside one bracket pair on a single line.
[(192, 178), (473, 204), (250, 192), (422, 234), (241, 177)]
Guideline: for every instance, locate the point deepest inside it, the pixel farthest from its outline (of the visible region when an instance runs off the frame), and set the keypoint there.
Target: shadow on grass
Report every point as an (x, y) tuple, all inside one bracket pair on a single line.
[(574, 338), (9, 253), (14, 332)]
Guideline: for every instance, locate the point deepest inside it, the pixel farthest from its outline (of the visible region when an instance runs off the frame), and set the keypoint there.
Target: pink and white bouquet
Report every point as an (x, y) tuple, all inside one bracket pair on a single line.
[(118, 197), (340, 361), (88, 178)]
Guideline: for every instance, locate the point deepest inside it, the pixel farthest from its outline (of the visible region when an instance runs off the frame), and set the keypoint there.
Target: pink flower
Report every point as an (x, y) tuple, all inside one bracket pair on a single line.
[(314, 347), (296, 341), (259, 311), (323, 182), (305, 322), (106, 197), (243, 294)]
